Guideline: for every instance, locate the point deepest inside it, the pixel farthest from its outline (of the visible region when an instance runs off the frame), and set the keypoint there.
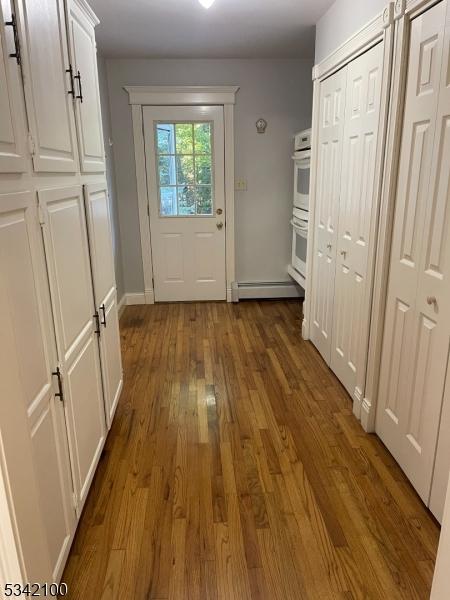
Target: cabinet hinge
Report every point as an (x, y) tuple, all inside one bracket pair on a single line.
[(31, 144)]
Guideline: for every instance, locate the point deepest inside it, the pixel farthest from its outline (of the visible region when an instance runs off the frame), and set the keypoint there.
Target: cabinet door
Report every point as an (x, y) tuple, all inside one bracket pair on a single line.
[(23, 274), (64, 226), (357, 212), (87, 106), (417, 326), (13, 133), (48, 85), (102, 262), (331, 130)]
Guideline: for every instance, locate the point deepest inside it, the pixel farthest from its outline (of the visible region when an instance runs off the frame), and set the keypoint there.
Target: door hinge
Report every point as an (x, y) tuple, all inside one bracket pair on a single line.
[(31, 144), (148, 209), (13, 24), (97, 323), (41, 215), (75, 501)]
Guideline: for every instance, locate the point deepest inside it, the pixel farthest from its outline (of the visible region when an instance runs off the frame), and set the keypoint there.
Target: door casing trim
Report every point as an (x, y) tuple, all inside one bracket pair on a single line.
[(140, 96)]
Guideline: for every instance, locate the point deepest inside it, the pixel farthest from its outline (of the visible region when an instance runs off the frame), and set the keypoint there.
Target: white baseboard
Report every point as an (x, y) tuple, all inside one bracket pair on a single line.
[(135, 298), (269, 289)]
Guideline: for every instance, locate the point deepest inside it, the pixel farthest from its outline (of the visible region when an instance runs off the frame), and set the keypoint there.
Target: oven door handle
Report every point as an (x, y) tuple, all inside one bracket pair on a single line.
[(302, 230)]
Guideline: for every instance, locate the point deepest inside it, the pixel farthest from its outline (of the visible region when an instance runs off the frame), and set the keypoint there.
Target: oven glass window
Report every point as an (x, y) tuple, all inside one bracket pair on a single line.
[(303, 181), (300, 248)]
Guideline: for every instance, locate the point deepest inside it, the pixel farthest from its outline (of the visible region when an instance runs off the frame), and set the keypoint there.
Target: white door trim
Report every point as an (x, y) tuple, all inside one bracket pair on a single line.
[(378, 30), (140, 96)]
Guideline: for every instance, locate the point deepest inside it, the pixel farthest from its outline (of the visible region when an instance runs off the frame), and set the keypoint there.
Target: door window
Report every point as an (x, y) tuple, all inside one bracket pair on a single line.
[(184, 168)]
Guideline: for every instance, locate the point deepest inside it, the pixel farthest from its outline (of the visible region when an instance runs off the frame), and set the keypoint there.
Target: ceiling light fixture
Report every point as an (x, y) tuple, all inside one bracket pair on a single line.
[(206, 3)]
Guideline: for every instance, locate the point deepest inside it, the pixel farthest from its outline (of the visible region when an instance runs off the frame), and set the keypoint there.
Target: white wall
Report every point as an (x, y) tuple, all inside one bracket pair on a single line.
[(342, 19), (278, 90), (110, 175)]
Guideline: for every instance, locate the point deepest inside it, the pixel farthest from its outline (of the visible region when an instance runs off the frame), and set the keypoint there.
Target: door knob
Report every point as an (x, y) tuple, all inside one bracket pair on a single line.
[(431, 300), (219, 225), (219, 211)]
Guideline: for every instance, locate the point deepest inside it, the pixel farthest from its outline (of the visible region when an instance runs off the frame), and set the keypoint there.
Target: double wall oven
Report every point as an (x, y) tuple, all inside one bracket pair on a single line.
[(300, 215)]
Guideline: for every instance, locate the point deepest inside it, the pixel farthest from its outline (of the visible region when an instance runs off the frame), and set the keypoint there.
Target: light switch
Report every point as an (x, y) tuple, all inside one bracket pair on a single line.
[(241, 185)]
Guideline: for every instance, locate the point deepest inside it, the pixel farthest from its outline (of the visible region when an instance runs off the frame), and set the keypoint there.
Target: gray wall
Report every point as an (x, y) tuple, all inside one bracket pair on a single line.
[(342, 19), (278, 90), (110, 175)]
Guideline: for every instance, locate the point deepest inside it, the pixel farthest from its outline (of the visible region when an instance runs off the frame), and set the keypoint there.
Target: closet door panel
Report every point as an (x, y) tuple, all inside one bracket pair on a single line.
[(88, 111), (356, 215), (331, 122), (47, 85), (23, 274), (65, 236), (13, 132), (102, 261), (416, 341)]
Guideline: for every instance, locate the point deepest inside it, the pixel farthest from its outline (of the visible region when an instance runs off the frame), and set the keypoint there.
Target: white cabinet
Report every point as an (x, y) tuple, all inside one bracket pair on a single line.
[(77, 327), (23, 276), (48, 85), (345, 216), (83, 52), (102, 262), (13, 130), (417, 324)]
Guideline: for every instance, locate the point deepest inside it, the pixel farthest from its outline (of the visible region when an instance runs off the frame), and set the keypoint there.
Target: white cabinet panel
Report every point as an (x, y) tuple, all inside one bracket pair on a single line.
[(23, 274), (87, 105), (417, 326), (13, 131), (48, 85), (102, 262), (330, 139), (66, 245), (357, 213)]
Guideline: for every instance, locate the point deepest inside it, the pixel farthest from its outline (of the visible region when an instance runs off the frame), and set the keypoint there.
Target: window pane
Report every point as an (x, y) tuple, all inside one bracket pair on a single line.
[(168, 198), (204, 200), (165, 138), (186, 200), (202, 138), (203, 170), (185, 169), (166, 167), (184, 137)]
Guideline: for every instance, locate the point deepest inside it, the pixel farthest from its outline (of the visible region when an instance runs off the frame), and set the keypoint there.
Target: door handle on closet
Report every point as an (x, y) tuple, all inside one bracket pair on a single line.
[(97, 321), (329, 246), (13, 24), (60, 393), (103, 309), (432, 300), (80, 87), (71, 92)]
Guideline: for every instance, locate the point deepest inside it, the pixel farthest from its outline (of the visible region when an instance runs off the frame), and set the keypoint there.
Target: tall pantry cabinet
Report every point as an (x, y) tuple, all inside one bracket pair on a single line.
[(60, 362)]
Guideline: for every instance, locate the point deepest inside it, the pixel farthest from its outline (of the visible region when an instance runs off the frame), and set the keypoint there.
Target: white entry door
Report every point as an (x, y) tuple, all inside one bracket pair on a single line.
[(417, 326), (184, 149)]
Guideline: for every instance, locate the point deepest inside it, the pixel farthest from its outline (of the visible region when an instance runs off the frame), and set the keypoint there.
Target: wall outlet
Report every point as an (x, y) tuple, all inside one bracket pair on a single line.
[(240, 185)]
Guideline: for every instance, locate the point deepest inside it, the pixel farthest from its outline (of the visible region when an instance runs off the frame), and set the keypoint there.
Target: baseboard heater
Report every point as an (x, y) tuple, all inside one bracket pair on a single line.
[(247, 290)]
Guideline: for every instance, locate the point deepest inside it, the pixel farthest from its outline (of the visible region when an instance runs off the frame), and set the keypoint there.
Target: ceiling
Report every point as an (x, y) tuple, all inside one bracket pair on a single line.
[(229, 29)]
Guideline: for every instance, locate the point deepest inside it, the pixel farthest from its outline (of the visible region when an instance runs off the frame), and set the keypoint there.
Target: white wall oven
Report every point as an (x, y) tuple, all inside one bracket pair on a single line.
[(300, 216)]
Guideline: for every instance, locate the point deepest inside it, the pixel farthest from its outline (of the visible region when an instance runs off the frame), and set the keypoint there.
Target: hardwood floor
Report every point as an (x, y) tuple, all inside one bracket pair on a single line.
[(235, 469)]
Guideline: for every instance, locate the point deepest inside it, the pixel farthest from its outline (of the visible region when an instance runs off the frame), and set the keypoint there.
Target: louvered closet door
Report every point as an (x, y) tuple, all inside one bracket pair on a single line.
[(13, 133), (47, 85), (330, 138), (66, 246), (417, 328), (23, 275), (102, 262), (83, 53), (356, 214)]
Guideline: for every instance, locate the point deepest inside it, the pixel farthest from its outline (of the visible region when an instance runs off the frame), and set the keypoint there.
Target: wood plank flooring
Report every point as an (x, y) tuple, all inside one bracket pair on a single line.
[(235, 470)]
